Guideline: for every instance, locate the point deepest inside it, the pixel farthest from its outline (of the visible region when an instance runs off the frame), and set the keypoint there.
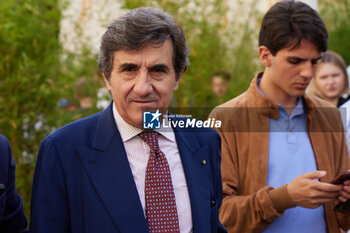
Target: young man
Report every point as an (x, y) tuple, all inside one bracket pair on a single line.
[(280, 147), (12, 218), (104, 173)]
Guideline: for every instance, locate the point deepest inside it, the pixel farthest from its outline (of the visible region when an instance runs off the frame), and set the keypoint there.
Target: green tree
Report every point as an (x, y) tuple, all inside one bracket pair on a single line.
[(29, 68), (34, 76), (336, 15)]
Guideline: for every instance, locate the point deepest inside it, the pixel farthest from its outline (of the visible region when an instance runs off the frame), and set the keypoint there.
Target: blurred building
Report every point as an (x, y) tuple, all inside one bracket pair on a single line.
[(84, 21)]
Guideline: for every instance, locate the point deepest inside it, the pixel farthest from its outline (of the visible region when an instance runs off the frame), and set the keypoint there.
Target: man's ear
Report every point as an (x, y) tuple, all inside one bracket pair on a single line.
[(265, 56), (177, 80), (108, 85)]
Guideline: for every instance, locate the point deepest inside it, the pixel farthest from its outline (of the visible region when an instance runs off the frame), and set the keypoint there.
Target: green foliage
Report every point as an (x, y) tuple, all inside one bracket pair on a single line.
[(29, 66), (337, 19), (34, 76)]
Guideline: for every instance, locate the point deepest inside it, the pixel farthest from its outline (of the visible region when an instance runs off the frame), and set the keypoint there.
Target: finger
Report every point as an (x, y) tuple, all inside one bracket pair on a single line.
[(321, 194), (314, 175), (346, 188), (342, 199), (326, 187), (347, 182), (321, 201), (345, 193)]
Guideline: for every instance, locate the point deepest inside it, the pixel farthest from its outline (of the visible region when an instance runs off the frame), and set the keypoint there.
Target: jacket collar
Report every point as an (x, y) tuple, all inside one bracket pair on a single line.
[(268, 107), (105, 129), (108, 168)]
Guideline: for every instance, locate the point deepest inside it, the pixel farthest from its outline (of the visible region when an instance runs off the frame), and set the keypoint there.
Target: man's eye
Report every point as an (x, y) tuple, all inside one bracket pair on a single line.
[(294, 61), (160, 70), (129, 69), (157, 73)]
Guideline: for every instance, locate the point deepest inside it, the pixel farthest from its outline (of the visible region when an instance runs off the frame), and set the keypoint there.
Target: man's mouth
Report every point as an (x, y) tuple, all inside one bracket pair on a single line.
[(301, 85), (144, 101)]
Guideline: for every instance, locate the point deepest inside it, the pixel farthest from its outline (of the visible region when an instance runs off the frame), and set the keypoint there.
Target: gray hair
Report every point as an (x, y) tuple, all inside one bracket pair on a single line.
[(139, 28)]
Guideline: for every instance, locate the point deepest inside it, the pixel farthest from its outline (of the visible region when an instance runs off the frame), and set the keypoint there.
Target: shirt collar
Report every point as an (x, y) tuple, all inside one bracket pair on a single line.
[(128, 131), (299, 108)]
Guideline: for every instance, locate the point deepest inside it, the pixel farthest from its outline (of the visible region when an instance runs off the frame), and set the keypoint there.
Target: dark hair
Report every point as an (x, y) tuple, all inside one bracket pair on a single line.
[(139, 28), (287, 23), (223, 74)]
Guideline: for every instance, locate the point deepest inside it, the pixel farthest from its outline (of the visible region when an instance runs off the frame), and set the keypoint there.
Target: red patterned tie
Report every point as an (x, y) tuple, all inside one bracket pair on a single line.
[(161, 213)]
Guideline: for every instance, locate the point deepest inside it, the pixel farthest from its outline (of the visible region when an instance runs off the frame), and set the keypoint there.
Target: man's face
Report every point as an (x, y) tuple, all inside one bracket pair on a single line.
[(142, 79), (290, 71), (219, 86)]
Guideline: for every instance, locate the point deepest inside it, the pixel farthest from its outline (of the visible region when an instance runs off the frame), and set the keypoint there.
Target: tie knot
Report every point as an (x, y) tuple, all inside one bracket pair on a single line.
[(151, 138)]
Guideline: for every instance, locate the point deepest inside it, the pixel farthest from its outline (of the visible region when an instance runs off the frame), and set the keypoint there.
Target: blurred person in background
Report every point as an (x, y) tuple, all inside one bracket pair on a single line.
[(330, 81), (219, 90), (220, 83), (331, 84)]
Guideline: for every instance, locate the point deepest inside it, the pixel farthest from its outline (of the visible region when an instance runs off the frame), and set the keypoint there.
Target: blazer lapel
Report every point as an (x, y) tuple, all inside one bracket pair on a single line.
[(108, 168), (198, 178)]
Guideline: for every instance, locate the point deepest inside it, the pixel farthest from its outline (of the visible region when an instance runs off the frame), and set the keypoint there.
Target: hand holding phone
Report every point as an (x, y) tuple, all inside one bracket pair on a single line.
[(343, 207), (341, 178)]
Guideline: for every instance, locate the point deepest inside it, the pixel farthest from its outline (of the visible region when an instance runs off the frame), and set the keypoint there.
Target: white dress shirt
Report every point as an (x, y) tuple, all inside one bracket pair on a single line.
[(138, 153)]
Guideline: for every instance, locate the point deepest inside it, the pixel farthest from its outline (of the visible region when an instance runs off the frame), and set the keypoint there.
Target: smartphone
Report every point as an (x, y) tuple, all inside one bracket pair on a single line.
[(341, 178), (343, 207)]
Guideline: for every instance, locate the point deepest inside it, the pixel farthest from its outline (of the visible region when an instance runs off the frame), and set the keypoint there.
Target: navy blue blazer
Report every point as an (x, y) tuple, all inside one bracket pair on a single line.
[(83, 181), (12, 218)]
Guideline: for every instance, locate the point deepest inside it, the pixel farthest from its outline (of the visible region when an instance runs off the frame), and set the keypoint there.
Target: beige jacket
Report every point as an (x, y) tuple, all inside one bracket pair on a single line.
[(248, 204)]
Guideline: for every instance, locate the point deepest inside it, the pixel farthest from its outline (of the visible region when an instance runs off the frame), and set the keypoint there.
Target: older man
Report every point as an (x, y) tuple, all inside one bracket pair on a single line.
[(104, 173)]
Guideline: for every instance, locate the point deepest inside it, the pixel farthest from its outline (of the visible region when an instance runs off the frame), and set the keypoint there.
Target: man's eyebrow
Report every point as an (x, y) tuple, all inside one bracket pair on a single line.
[(127, 66), (303, 59), (296, 58), (317, 58), (159, 67)]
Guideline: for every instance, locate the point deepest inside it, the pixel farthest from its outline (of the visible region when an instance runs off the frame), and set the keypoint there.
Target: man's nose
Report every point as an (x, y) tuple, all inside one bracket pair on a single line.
[(143, 84), (307, 71)]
